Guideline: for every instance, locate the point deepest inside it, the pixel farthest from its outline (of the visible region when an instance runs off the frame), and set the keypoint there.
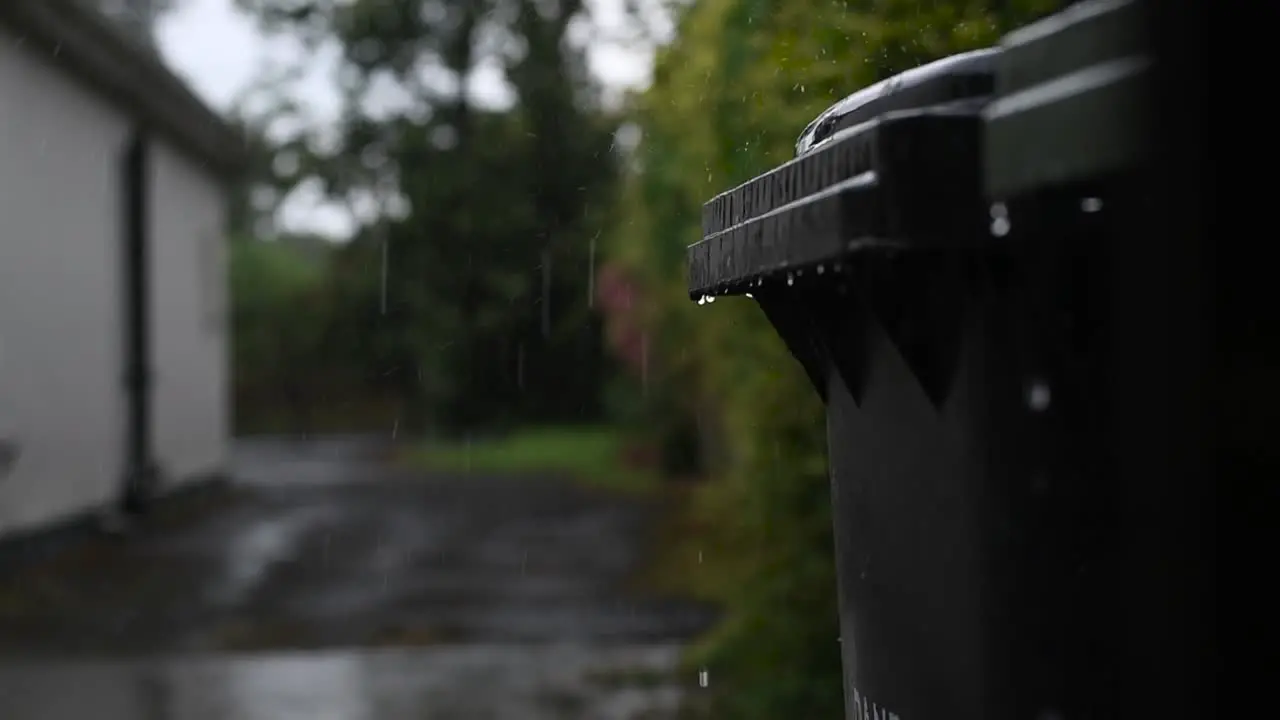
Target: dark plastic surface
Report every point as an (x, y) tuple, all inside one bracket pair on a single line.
[(1071, 99), (966, 76), (977, 510), (908, 179), (894, 165)]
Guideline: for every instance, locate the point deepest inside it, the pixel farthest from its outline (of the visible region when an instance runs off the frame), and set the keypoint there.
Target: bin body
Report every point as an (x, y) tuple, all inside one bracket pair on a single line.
[(977, 527), (959, 281)]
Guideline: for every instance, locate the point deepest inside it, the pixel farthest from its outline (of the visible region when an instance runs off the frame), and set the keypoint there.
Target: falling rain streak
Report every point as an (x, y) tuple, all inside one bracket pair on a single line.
[(644, 362), (520, 366), (382, 299), (546, 293), (591, 271)]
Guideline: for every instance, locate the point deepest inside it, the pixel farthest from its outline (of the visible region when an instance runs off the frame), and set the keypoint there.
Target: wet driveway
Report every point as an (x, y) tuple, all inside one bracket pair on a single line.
[(327, 584), (474, 682)]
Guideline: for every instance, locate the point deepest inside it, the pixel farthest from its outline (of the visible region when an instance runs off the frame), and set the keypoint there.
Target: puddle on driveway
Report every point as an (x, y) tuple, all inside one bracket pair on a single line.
[(474, 682), (252, 554)]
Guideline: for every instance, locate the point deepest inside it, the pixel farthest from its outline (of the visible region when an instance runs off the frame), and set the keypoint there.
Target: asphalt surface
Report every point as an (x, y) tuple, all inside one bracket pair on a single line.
[(391, 594)]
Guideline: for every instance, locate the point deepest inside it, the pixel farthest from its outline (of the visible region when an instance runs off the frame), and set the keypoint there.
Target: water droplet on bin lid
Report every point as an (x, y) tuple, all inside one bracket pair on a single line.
[(1000, 227), (791, 280), (1039, 396), (702, 300)]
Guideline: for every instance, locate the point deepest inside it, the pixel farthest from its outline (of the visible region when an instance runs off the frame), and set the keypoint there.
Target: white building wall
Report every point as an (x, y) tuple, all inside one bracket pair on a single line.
[(189, 340), (62, 397), (61, 392)]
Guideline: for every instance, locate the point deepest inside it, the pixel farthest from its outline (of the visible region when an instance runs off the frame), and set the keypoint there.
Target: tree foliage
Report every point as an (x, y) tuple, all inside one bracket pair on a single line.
[(273, 344), (484, 211)]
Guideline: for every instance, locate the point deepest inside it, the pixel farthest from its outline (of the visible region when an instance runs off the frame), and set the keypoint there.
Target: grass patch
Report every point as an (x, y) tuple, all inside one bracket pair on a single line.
[(594, 456)]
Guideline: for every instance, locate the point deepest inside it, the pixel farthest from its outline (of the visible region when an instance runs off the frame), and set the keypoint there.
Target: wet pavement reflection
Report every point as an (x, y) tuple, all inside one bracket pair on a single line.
[(477, 682)]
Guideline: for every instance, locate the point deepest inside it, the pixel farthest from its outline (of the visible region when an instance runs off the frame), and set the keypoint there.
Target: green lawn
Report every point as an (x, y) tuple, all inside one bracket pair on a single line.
[(590, 455)]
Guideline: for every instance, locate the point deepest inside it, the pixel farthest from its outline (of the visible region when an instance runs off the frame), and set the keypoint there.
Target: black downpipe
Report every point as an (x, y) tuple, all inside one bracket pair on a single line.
[(140, 472)]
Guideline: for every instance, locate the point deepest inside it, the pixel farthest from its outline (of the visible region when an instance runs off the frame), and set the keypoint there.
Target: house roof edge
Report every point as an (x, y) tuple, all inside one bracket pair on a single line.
[(83, 42)]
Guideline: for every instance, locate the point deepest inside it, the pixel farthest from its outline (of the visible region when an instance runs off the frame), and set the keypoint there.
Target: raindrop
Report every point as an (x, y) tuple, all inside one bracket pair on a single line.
[(750, 295), (704, 678), (998, 210), (711, 298), (1091, 204), (395, 428), (1039, 396), (591, 272), (383, 296), (699, 557), (546, 293), (791, 280), (644, 363), (1000, 227), (702, 300), (520, 366), (821, 269)]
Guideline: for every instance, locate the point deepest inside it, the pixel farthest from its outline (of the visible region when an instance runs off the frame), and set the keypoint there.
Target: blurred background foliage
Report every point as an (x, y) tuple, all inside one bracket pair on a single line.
[(524, 266)]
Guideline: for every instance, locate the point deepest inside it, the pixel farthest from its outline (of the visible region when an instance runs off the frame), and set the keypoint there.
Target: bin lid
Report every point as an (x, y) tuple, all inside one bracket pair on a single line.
[(955, 78), (895, 165), (1070, 99)]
